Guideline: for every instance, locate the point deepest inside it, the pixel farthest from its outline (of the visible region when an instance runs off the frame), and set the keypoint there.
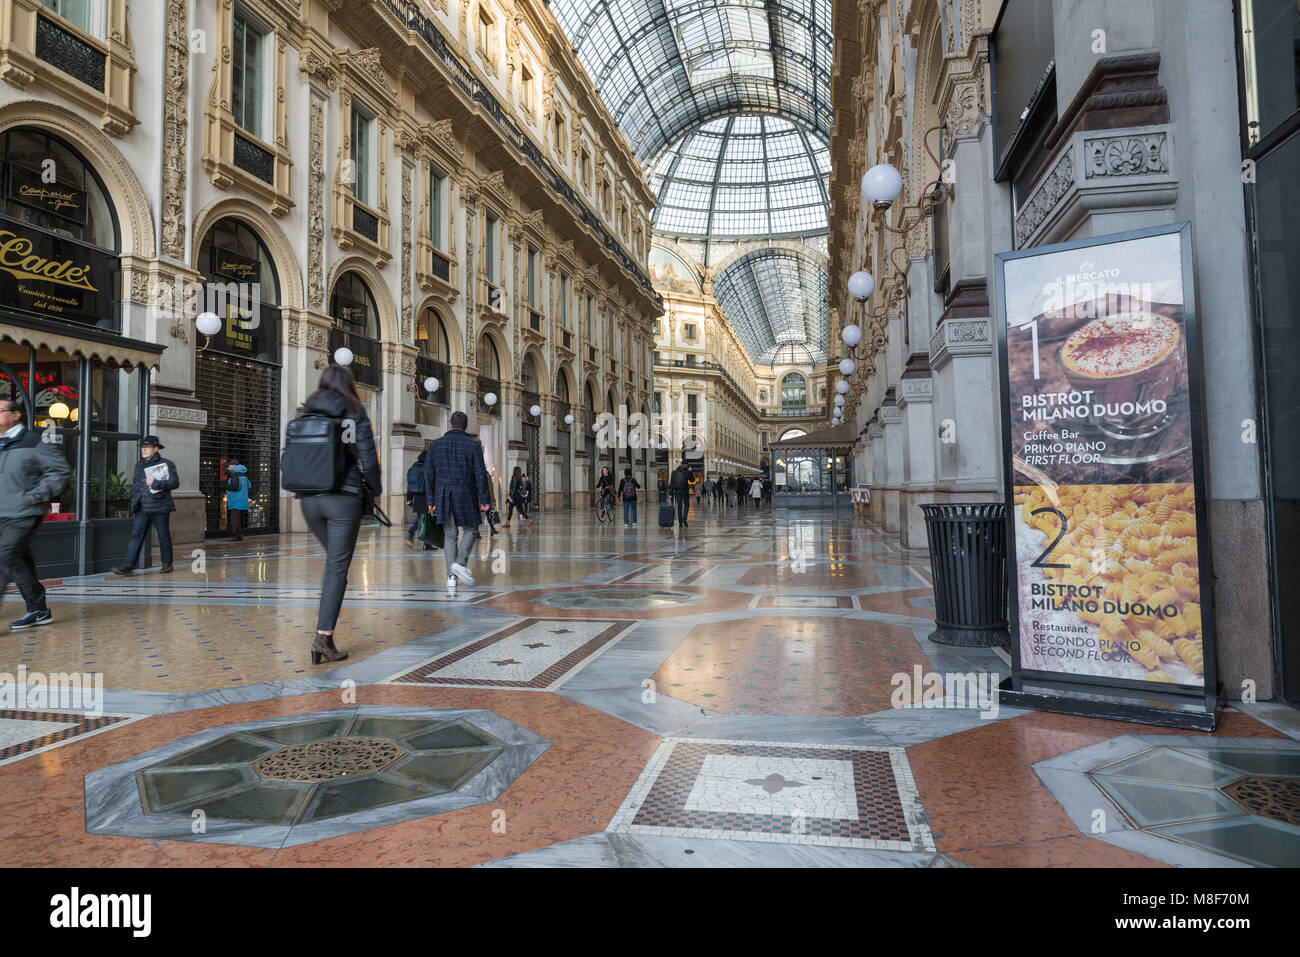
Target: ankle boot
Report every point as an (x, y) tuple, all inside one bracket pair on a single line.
[(323, 648)]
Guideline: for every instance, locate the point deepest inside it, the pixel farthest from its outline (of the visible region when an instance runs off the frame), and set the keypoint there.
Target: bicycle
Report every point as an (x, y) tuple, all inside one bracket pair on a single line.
[(604, 507)]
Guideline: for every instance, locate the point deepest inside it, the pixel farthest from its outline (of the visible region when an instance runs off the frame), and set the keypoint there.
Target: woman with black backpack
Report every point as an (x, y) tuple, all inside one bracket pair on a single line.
[(334, 516)]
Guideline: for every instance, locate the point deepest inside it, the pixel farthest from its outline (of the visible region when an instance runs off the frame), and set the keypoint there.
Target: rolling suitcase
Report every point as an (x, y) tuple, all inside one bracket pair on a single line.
[(667, 515)]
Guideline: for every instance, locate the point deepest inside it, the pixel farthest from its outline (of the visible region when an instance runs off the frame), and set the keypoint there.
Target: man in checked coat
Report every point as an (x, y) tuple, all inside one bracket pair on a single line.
[(456, 488)]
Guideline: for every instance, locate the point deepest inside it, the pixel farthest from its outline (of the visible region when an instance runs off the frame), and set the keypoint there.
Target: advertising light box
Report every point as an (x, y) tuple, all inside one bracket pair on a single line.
[(1105, 495)]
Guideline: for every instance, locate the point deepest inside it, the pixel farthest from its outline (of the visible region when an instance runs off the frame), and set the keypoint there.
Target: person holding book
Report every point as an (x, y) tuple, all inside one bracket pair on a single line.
[(151, 504)]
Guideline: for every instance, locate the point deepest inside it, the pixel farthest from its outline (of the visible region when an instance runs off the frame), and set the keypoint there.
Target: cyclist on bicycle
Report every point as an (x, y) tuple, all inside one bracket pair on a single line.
[(605, 485)]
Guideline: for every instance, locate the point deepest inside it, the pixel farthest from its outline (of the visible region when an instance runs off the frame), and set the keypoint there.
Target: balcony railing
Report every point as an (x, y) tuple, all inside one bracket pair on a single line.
[(566, 339), (534, 320), (414, 18), (442, 267)]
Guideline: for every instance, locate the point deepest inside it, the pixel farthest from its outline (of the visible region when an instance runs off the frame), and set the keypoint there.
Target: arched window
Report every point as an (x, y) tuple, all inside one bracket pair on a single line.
[(48, 184), (353, 307), (243, 289), (794, 392), (431, 337), (529, 377), (562, 388), (489, 361)]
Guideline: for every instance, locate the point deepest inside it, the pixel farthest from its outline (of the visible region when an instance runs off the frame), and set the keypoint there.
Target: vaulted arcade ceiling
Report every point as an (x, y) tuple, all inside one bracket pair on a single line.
[(727, 103), (665, 67)]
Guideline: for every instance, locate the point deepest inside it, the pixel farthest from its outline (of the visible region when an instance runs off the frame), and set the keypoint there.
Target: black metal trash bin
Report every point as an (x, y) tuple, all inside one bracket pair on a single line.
[(968, 556)]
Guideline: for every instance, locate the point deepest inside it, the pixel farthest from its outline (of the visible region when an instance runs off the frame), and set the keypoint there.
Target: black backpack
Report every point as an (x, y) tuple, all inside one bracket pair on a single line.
[(314, 460), (681, 480), (232, 483), (629, 488)]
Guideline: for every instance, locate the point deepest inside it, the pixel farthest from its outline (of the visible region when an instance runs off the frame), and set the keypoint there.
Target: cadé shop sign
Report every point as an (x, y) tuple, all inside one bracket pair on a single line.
[(57, 278)]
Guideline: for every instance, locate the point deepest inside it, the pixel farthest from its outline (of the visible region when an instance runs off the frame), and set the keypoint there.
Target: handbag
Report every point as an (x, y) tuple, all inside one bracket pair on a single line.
[(371, 508), (429, 531)]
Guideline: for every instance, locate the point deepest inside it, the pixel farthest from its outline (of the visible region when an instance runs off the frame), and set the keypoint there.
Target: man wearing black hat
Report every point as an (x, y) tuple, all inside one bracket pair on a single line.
[(151, 504)]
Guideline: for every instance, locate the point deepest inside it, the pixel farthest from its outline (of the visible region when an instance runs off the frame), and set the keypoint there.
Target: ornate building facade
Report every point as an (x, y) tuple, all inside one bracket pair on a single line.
[(432, 186), (1104, 118)]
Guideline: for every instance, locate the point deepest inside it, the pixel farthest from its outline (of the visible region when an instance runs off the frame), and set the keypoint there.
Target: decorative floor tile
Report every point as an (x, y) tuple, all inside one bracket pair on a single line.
[(537, 654), (323, 774), (833, 795), (804, 601), (27, 732)]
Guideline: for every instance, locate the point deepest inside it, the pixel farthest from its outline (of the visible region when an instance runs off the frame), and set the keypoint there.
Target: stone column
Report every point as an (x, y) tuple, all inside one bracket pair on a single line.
[(916, 404)]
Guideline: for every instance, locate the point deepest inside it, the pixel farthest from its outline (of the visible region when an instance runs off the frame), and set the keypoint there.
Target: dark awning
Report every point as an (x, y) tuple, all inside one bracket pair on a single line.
[(840, 437), (84, 341)]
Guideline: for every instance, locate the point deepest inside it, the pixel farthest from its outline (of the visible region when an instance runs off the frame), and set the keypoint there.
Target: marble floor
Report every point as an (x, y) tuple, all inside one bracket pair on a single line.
[(722, 695)]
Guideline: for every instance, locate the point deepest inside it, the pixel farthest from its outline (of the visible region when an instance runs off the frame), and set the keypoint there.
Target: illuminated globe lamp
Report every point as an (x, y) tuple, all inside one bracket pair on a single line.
[(208, 323), (852, 335), (535, 411), (839, 401), (59, 411), (861, 285), (343, 356), (881, 185), (595, 426), (490, 399), (842, 387), (568, 420), (847, 367), (431, 385)]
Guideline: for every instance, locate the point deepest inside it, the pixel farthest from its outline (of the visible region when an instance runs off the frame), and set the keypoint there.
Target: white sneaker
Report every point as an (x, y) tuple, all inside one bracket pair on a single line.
[(461, 572), (451, 583)]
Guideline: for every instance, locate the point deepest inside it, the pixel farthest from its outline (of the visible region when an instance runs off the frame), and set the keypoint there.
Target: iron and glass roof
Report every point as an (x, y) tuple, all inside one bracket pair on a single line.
[(775, 299), (743, 176), (665, 67)]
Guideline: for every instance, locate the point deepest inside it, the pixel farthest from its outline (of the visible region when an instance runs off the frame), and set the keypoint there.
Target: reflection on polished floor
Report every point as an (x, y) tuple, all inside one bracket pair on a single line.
[(600, 697)]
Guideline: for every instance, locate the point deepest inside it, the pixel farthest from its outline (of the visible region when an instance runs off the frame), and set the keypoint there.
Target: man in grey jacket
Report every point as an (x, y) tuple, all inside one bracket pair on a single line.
[(32, 474)]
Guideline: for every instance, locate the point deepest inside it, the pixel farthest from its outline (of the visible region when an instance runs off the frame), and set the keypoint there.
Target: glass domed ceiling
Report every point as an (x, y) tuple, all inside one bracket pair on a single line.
[(775, 299), (742, 176)]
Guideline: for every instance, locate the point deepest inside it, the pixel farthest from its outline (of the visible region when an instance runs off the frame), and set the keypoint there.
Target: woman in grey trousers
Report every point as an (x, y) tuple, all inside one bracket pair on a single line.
[(335, 517)]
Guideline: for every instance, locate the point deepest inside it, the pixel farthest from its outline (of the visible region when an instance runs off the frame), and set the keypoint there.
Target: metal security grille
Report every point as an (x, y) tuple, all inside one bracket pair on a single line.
[(532, 442), (566, 469), (242, 400)]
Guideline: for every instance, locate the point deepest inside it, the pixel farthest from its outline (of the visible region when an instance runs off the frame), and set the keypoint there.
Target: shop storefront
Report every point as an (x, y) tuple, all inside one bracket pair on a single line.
[(62, 357), (237, 376), (1270, 96), (814, 470)]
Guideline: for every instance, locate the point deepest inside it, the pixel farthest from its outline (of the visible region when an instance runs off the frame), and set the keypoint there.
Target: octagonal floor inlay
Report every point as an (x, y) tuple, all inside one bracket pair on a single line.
[(621, 598), (299, 779)]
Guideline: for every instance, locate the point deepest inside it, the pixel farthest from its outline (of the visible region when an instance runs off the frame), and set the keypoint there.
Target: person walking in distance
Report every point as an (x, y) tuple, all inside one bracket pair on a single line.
[(334, 516), (32, 474), (708, 492), (456, 483), (627, 489), (415, 499), (237, 488), (680, 483), (151, 505), (756, 492), (517, 496)]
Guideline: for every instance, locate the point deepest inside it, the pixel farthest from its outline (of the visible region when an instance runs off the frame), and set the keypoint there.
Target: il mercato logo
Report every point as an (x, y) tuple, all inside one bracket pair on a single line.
[(17, 259)]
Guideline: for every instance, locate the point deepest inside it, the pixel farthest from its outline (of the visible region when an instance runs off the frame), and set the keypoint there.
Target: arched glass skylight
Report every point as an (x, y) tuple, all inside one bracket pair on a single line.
[(775, 299), (666, 66), (743, 176)]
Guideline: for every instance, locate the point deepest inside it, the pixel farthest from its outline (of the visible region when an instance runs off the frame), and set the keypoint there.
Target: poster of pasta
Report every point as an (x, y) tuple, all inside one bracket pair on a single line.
[(1102, 406)]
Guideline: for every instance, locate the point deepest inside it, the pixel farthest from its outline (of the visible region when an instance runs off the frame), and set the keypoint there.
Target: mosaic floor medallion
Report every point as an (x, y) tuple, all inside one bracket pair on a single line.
[(293, 780), (835, 795), (537, 654), (1243, 803)]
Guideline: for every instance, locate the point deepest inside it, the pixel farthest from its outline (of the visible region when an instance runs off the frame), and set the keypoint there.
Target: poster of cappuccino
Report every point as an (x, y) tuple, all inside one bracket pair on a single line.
[(1101, 398)]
